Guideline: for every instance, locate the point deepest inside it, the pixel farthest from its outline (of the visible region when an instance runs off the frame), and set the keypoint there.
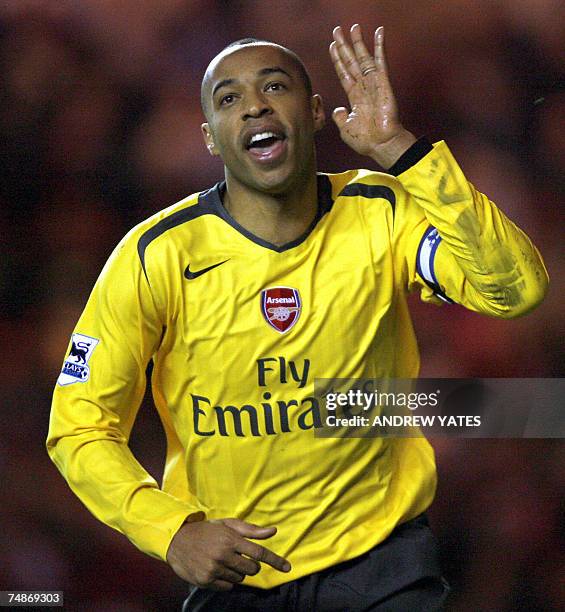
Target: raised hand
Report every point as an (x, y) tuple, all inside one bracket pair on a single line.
[(218, 554), (372, 125)]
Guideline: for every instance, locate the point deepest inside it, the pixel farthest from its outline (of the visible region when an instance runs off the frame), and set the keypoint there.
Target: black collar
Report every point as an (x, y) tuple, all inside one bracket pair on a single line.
[(213, 199)]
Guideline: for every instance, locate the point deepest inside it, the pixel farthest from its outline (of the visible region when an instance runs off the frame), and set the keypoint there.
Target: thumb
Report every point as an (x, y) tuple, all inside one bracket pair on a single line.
[(249, 530), (340, 115)]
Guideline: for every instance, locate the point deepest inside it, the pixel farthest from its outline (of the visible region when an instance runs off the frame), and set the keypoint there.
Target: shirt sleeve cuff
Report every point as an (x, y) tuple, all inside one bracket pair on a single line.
[(410, 157)]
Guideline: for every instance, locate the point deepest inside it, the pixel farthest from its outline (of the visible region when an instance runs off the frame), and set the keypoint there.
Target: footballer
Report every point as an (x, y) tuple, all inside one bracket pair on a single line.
[(241, 296)]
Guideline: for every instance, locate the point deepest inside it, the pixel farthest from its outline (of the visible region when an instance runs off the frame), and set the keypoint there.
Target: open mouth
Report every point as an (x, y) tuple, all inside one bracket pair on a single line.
[(266, 146)]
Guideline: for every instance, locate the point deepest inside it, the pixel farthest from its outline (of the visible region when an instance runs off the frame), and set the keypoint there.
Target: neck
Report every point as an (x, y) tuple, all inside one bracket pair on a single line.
[(276, 218)]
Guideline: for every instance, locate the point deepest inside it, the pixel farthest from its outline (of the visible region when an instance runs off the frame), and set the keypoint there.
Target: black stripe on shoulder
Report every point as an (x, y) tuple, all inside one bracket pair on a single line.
[(203, 207), (370, 191)]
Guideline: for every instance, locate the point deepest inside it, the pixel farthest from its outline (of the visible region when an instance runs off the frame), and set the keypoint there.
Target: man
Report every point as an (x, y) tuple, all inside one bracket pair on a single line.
[(242, 295)]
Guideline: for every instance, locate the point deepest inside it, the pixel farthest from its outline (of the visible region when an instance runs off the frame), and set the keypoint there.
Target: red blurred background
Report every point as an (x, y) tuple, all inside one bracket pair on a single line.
[(99, 128)]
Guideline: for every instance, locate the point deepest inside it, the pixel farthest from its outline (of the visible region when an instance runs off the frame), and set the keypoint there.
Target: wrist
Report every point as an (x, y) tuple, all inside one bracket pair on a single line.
[(387, 153), (411, 157)]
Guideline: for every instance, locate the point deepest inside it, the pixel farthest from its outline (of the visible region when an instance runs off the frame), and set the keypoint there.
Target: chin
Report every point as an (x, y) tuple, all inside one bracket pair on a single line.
[(279, 181), (276, 187), (273, 183)]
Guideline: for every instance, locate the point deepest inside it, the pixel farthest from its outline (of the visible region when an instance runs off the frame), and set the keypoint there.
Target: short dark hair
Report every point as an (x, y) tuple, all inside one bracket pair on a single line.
[(246, 41), (250, 41)]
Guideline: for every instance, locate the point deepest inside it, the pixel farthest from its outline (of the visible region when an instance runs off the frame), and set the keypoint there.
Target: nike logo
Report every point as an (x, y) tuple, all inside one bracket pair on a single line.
[(192, 275)]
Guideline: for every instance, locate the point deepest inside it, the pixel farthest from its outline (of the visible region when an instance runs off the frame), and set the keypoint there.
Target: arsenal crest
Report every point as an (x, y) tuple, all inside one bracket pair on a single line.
[(281, 307)]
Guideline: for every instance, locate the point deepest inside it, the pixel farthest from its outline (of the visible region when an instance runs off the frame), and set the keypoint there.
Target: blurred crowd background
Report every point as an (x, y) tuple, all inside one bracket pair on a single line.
[(100, 127)]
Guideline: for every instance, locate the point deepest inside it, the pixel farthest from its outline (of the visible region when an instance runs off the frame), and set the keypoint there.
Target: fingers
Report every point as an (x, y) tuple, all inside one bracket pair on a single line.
[(364, 58), (346, 54), (242, 565), (230, 575), (340, 116), (380, 59), (251, 549), (344, 77), (217, 554), (263, 555), (231, 568), (355, 62), (249, 530)]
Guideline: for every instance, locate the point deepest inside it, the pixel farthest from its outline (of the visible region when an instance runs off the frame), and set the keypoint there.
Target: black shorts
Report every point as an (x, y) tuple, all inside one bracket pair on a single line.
[(401, 574)]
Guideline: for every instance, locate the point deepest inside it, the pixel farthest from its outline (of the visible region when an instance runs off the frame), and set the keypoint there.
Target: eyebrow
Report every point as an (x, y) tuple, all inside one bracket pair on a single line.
[(262, 72)]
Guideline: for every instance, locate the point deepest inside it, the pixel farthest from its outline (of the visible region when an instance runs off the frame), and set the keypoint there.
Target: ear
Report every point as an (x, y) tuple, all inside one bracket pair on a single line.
[(318, 113), (208, 139)]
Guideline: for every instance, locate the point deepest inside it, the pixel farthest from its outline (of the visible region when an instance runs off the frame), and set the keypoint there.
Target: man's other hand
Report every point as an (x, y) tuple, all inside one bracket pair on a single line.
[(217, 554)]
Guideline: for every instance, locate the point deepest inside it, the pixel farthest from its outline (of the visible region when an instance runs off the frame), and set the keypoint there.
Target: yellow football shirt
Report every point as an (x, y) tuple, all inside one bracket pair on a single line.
[(238, 329)]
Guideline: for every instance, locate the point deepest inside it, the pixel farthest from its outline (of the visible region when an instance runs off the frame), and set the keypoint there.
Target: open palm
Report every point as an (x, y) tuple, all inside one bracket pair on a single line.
[(372, 123)]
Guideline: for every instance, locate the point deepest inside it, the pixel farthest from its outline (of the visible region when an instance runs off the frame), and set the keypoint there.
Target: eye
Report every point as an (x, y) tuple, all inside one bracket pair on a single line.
[(275, 86), (227, 99)]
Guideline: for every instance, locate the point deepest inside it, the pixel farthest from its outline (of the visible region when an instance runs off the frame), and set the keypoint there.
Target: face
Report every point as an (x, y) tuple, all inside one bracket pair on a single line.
[(261, 118)]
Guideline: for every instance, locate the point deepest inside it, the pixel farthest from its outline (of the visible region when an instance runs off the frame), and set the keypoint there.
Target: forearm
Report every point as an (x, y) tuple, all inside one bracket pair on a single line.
[(495, 267), (503, 273), (101, 470)]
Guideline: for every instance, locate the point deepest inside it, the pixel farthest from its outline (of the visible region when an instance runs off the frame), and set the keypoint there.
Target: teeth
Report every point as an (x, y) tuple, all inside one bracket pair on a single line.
[(262, 136)]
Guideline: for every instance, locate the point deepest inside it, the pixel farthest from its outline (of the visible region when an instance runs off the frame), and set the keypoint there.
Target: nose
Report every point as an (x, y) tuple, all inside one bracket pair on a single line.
[(257, 106)]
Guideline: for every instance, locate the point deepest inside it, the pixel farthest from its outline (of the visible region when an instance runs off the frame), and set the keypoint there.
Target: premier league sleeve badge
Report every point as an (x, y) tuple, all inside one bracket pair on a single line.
[(75, 368)]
